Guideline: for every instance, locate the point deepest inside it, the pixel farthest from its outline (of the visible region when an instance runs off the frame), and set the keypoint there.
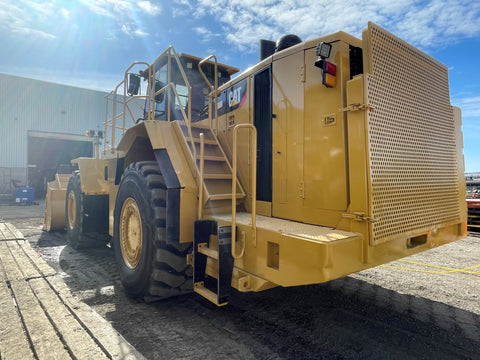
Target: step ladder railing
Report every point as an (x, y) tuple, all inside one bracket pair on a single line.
[(112, 98), (253, 161), (213, 90), (202, 164)]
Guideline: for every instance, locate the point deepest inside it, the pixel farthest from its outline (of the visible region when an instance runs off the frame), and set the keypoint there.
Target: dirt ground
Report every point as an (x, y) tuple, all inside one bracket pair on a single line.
[(423, 307)]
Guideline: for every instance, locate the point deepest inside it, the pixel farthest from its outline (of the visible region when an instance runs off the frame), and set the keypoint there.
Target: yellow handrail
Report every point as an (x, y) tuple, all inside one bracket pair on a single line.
[(200, 191), (213, 90), (112, 96), (125, 81), (253, 160)]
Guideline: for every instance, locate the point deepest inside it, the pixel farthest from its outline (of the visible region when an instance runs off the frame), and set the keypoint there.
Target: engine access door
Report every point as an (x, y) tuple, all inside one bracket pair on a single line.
[(288, 137)]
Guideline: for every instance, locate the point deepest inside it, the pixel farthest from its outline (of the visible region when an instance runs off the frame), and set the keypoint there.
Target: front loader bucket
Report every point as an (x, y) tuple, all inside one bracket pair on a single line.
[(55, 203)]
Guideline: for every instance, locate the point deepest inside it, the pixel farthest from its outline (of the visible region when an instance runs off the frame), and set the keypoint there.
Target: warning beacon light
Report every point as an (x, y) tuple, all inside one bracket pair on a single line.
[(94, 134), (329, 69)]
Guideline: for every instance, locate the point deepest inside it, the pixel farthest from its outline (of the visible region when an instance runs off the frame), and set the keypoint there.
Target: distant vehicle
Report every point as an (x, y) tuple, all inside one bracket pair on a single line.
[(473, 203)]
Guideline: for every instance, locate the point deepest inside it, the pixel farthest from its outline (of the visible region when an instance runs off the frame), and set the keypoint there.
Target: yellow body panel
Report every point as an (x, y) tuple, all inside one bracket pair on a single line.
[(92, 175)]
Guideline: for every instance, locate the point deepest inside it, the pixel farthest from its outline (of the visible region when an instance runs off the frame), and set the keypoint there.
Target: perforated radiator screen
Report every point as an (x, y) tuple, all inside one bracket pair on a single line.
[(413, 171)]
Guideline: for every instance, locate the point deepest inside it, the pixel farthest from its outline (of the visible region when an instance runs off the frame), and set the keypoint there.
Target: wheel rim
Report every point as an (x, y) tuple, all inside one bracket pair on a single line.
[(72, 210), (130, 233)]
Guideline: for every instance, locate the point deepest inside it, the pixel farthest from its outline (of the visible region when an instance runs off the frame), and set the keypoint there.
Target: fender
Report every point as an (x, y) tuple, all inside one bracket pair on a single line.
[(158, 140)]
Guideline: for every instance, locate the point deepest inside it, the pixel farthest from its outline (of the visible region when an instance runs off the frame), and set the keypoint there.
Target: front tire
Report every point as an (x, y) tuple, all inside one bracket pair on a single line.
[(149, 268)]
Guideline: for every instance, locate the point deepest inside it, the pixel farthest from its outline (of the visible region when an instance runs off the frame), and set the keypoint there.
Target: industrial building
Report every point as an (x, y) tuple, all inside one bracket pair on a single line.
[(43, 127)]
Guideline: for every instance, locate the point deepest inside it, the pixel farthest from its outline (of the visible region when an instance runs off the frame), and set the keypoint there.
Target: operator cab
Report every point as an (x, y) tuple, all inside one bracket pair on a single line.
[(199, 88)]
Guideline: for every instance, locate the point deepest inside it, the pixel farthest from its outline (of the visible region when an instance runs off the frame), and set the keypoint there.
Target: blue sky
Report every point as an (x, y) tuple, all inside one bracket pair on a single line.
[(89, 43)]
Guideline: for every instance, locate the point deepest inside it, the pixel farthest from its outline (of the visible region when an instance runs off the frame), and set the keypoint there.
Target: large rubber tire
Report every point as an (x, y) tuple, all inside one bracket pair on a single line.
[(149, 268), (77, 238)]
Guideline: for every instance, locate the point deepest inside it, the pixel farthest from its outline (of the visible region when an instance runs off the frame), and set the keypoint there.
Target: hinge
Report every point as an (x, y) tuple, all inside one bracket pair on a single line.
[(358, 216), (303, 76), (356, 107), (302, 189)]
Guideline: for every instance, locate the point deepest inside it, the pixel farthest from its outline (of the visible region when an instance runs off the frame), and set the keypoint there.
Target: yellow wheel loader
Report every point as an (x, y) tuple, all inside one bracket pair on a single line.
[(328, 157)]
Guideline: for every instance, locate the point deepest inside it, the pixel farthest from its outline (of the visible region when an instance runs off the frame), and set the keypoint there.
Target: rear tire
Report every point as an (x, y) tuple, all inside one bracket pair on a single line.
[(149, 268)]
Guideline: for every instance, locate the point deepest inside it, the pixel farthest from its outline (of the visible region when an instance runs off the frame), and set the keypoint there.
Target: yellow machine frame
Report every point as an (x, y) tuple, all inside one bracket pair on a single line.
[(336, 207)]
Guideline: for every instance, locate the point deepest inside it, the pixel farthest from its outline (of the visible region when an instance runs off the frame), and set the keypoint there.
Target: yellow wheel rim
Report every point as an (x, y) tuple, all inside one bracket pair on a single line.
[(130, 233), (72, 210)]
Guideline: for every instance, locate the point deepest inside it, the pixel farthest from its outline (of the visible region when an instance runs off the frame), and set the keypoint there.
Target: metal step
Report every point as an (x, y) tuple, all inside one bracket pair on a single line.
[(199, 288), (212, 158), (205, 250), (205, 141), (198, 126), (217, 176), (201, 252), (224, 196)]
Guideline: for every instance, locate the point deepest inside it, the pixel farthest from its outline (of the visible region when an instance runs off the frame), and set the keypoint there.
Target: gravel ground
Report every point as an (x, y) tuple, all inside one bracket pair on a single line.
[(422, 307)]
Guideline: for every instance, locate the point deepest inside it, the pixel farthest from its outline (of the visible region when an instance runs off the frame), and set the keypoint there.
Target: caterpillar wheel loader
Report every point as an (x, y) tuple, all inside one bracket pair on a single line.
[(327, 157)]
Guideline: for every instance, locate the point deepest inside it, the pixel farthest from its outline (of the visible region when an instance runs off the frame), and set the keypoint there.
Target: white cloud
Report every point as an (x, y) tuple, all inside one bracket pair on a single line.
[(206, 34), (183, 2), (470, 106), (125, 14), (149, 8), (201, 31), (26, 18), (439, 22), (46, 20), (110, 8), (182, 8), (65, 13), (141, 33), (131, 31), (25, 31), (425, 24)]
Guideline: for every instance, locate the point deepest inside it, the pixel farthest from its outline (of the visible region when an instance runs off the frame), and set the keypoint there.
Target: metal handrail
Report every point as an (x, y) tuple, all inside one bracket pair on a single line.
[(213, 89), (202, 159), (112, 96), (253, 160), (125, 81)]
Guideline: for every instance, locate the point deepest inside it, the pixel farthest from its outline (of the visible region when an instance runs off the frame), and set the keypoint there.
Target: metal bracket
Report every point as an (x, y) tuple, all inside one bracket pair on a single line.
[(302, 189), (358, 216), (303, 73), (356, 107)]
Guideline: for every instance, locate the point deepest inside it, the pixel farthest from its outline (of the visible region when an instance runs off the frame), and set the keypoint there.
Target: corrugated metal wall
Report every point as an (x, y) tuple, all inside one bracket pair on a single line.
[(27, 104)]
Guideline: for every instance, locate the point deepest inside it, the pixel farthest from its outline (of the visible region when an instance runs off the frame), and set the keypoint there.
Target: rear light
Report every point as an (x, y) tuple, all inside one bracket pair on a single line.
[(329, 80), (329, 72), (329, 68)]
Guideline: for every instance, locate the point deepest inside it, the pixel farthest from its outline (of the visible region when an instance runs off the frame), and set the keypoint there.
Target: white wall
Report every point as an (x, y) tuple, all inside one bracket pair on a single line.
[(27, 104)]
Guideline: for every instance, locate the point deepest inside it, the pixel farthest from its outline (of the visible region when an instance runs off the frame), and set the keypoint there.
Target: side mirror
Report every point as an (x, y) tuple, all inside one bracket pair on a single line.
[(133, 84)]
